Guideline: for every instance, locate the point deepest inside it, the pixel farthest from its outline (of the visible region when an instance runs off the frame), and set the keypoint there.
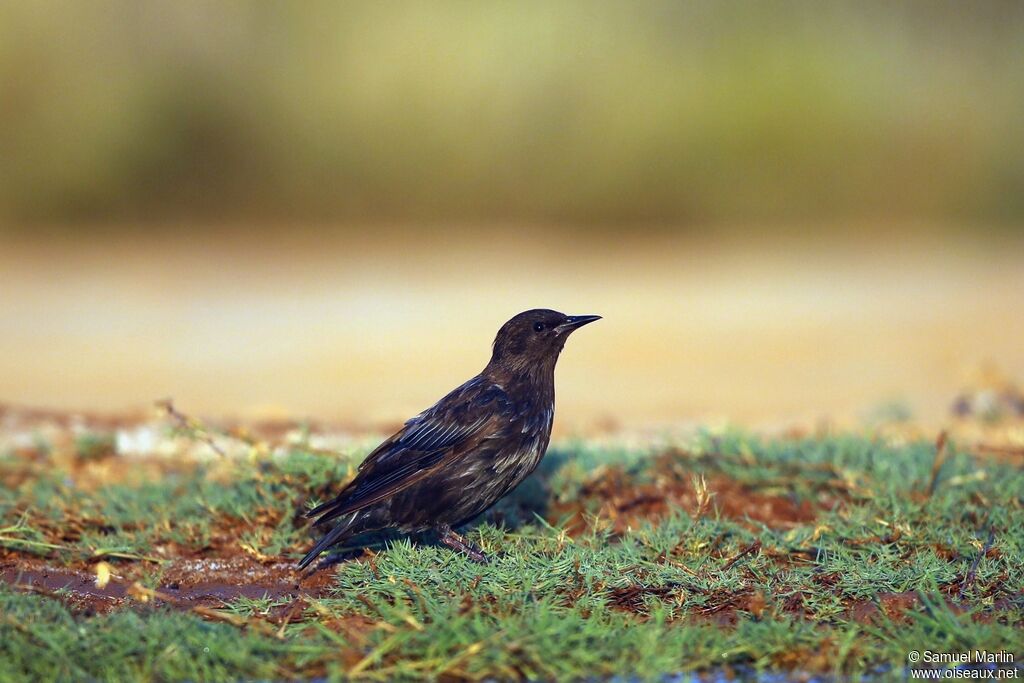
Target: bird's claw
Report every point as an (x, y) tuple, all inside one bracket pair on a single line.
[(457, 542)]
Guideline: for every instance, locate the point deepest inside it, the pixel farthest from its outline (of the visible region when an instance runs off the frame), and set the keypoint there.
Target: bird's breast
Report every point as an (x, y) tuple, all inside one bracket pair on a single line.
[(522, 455)]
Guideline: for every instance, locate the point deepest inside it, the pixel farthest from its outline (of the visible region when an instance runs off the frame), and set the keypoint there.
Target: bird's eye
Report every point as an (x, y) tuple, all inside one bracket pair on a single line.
[(538, 327)]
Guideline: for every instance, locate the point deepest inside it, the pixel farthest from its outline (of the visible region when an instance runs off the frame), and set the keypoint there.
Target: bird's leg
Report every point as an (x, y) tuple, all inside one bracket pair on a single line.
[(457, 542)]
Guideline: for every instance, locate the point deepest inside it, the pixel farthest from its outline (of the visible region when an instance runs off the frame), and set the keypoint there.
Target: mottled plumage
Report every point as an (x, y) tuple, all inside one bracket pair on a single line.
[(460, 456)]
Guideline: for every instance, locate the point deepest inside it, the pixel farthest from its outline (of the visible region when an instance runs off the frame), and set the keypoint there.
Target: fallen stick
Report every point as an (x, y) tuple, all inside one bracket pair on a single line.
[(972, 573), (940, 458), (752, 548)]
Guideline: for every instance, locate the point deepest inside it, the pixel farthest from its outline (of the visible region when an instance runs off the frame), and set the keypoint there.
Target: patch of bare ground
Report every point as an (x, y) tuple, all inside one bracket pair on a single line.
[(614, 495), (184, 583), (726, 607)]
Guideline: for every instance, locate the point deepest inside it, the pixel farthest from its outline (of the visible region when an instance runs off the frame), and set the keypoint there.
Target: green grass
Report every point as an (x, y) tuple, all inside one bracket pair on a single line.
[(666, 594)]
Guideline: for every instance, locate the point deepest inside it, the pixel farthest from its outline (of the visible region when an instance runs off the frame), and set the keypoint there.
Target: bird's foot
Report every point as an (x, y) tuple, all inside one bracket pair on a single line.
[(457, 542)]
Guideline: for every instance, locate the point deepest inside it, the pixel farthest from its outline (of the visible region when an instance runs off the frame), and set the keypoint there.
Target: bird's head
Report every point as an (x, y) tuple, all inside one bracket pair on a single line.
[(535, 338)]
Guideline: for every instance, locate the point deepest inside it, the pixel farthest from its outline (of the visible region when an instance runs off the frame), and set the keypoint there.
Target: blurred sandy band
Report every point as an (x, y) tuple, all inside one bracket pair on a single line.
[(373, 328)]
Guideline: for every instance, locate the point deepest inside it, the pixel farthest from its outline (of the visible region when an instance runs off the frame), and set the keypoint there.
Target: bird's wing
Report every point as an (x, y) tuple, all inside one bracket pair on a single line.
[(455, 425)]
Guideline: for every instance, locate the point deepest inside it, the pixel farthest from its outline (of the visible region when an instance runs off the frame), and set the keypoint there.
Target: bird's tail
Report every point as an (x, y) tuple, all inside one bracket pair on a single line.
[(338, 533)]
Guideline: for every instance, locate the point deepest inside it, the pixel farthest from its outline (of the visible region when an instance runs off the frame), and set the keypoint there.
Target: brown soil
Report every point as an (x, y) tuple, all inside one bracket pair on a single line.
[(613, 495), (185, 584)]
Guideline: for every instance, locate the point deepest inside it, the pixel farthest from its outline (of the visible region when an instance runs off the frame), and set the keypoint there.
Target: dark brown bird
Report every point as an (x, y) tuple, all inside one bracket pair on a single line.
[(456, 459)]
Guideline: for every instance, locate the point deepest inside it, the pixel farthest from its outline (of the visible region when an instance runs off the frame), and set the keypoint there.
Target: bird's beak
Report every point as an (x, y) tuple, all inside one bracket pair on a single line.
[(575, 321)]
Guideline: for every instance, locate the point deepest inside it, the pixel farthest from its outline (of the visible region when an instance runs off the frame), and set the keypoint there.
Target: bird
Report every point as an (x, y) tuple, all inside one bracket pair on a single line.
[(457, 458)]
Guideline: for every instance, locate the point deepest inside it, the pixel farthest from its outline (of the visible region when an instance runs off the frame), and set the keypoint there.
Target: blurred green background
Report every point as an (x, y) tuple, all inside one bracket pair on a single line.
[(658, 113), (783, 210)]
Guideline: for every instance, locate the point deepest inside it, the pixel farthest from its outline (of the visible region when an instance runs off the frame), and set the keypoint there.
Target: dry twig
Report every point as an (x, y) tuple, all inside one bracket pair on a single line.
[(940, 458), (193, 427), (752, 548), (972, 573)]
